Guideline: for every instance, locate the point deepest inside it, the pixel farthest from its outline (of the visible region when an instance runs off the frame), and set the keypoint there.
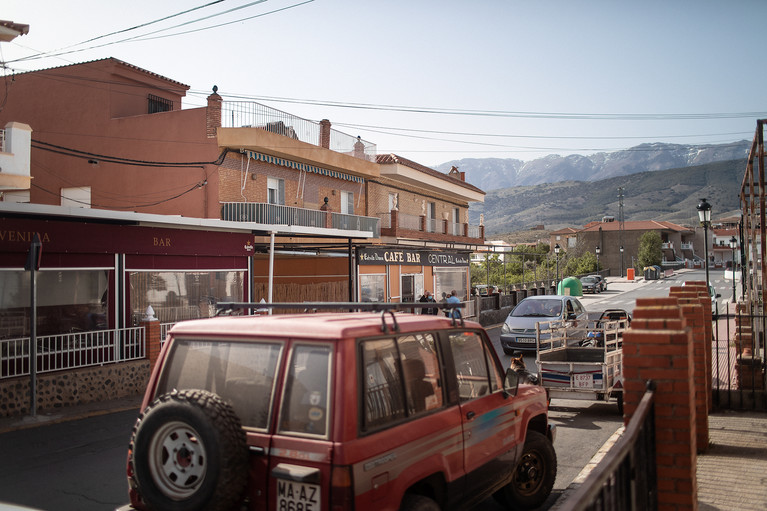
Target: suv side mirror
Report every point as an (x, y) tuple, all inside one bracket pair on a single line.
[(511, 382)]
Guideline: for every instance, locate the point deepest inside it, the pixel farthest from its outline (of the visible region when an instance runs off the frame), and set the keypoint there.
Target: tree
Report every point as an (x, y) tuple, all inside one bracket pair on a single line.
[(650, 253)]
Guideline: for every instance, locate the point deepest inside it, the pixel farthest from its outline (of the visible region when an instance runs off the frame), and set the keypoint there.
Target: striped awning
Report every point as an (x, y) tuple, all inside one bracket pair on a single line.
[(303, 166)]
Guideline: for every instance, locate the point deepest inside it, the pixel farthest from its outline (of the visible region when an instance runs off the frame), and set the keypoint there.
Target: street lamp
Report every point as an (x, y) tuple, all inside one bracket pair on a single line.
[(557, 248), (621, 249), (597, 251), (733, 246), (704, 213)]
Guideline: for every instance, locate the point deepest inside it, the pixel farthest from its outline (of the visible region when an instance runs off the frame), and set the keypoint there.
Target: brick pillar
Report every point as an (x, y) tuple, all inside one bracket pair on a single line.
[(213, 115), (152, 339), (705, 300), (659, 347), (394, 220), (423, 223), (693, 312), (325, 133)]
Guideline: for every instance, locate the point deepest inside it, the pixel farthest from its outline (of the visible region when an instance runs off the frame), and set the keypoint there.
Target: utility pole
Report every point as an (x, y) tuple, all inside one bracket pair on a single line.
[(621, 224)]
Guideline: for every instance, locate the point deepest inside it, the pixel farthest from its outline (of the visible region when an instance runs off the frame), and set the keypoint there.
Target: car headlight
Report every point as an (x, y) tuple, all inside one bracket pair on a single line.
[(505, 329)]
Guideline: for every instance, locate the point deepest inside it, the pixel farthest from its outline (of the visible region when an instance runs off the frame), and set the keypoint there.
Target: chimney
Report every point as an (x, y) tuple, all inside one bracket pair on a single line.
[(325, 133), (213, 113), (463, 176)]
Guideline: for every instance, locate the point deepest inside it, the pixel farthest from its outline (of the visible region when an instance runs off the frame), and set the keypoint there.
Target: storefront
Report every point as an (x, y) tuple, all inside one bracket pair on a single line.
[(97, 275), (396, 274)]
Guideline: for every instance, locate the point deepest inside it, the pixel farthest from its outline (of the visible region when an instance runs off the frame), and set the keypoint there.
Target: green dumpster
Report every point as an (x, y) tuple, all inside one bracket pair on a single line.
[(570, 287)]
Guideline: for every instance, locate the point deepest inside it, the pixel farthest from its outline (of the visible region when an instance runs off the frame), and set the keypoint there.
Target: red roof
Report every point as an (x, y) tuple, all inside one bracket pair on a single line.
[(391, 158)]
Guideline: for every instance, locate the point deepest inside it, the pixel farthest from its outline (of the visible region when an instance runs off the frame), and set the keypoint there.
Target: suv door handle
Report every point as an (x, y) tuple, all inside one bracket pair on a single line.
[(255, 449), (470, 415)]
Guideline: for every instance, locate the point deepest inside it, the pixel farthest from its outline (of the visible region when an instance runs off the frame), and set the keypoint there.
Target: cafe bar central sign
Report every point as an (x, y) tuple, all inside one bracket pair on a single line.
[(387, 256)]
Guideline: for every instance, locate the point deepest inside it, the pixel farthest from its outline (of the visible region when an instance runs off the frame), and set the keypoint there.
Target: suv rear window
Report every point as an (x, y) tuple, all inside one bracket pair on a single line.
[(400, 378), (241, 373)]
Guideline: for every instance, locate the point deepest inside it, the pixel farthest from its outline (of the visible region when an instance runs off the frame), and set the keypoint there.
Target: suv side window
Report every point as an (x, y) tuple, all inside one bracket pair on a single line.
[(307, 386), (475, 376), (400, 378)]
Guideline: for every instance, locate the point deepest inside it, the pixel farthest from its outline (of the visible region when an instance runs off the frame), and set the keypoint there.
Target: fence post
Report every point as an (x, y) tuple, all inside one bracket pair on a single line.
[(659, 347), (693, 310)]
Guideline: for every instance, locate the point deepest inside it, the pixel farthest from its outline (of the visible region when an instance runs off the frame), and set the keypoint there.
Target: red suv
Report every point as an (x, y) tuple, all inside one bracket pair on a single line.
[(337, 411)]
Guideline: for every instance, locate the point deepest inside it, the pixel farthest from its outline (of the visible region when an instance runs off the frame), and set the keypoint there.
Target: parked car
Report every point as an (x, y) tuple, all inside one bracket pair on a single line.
[(518, 331), (341, 411), (590, 284), (602, 282), (714, 303)]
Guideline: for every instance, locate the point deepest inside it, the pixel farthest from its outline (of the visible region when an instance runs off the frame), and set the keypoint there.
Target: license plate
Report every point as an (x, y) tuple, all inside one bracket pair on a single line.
[(583, 381), (293, 496), (526, 340)]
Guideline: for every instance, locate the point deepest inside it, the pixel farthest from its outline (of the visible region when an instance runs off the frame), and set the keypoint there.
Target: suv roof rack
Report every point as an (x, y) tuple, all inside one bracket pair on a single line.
[(383, 307)]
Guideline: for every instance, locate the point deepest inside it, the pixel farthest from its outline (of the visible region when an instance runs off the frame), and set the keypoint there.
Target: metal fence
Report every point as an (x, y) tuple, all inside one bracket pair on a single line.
[(626, 478), (276, 214), (71, 351), (738, 361), (248, 114)]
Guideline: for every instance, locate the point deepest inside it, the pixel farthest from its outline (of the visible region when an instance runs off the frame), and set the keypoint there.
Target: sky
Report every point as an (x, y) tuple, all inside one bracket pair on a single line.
[(439, 80)]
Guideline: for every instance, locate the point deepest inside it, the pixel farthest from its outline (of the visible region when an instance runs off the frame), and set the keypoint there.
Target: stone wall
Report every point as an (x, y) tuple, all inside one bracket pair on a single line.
[(69, 388)]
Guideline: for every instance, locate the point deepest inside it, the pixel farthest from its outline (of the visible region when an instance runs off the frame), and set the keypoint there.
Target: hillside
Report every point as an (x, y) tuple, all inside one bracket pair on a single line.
[(670, 195)]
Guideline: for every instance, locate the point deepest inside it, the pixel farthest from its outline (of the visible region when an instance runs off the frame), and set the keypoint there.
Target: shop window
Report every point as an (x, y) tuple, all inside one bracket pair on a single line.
[(373, 288), (67, 301), (448, 278), (178, 296)]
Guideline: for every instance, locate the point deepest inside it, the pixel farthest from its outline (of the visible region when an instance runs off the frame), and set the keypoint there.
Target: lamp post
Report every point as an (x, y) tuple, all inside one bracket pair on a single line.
[(597, 251), (556, 252), (733, 246), (704, 213), (621, 249)]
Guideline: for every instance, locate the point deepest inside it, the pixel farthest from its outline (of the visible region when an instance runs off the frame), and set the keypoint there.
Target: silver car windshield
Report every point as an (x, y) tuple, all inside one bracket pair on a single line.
[(538, 309)]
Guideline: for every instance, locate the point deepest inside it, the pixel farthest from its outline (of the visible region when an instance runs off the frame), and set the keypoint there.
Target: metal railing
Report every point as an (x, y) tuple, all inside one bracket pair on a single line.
[(248, 114), (626, 478), (738, 368), (71, 351), (356, 223), (276, 214), (473, 231), (412, 222)]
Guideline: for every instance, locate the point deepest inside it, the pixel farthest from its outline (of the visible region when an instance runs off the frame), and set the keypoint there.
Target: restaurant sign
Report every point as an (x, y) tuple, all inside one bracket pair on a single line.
[(399, 256)]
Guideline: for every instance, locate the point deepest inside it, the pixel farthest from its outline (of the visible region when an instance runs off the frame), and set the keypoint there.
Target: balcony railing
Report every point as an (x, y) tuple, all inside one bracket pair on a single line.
[(248, 114), (395, 221), (275, 214)]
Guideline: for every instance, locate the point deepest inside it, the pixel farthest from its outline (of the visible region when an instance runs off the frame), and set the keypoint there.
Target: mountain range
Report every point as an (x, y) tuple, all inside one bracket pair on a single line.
[(670, 195), (496, 173)]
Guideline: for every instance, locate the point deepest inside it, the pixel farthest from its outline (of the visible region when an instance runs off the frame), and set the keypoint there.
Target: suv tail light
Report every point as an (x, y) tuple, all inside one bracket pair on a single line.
[(341, 489)]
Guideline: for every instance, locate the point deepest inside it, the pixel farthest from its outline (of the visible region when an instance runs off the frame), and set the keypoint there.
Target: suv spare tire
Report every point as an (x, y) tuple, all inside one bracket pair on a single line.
[(188, 452)]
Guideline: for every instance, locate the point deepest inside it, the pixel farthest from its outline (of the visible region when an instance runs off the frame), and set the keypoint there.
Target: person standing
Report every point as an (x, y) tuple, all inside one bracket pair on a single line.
[(428, 298), (454, 299)]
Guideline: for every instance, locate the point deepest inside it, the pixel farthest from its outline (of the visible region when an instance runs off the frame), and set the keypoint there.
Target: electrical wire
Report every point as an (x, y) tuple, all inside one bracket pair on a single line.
[(111, 206)]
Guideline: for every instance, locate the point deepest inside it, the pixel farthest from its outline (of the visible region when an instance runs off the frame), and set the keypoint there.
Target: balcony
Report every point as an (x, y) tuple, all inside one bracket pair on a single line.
[(248, 114), (401, 225), (275, 214)]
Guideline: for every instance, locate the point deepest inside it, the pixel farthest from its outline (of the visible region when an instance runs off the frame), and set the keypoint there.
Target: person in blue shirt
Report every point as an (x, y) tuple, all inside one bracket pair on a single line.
[(454, 299)]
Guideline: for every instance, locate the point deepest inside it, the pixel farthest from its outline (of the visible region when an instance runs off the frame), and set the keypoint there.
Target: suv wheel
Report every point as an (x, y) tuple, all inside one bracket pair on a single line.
[(418, 503), (533, 477), (188, 452)]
